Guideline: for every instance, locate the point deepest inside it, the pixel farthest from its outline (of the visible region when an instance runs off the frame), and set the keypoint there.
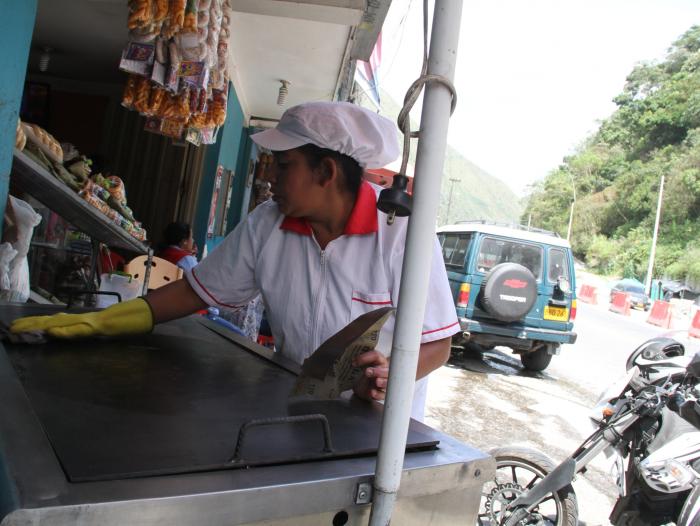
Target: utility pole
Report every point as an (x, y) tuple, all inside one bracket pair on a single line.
[(652, 255), (449, 199), (571, 213)]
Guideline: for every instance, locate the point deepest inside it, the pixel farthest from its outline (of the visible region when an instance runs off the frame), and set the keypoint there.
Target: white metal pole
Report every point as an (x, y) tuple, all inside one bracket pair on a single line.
[(571, 213), (652, 255), (571, 221), (417, 261)]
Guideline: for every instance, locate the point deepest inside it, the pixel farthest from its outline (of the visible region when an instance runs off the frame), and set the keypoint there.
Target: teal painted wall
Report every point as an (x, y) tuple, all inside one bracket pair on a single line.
[(225, 153), (16, 27), (239, 182), (231, 133)]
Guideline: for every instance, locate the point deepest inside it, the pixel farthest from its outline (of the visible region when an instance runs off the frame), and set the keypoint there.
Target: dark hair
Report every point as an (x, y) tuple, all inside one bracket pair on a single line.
[(176, 232), (351, 169)]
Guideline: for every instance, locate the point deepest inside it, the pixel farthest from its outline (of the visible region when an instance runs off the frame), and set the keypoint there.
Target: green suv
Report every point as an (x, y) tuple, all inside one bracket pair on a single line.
[(512, 286)]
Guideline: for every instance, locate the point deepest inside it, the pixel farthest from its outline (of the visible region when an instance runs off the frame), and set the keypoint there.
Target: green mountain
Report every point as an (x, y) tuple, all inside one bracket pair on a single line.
[(617, 173), (476, 194)]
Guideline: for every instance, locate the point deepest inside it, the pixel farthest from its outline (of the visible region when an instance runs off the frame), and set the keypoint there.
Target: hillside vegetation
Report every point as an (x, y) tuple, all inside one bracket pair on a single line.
[(616, 175)]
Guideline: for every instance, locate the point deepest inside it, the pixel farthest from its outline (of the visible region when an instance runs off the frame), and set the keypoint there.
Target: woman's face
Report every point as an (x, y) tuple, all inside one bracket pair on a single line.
[(294, 187)]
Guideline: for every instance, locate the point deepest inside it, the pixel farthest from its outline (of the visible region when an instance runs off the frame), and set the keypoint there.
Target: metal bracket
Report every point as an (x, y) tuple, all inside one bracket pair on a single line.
[(147, 273), (363, 493)]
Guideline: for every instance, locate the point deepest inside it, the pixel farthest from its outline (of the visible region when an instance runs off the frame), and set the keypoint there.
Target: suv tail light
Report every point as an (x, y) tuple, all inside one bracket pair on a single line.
[(572, 317), (463, 299)]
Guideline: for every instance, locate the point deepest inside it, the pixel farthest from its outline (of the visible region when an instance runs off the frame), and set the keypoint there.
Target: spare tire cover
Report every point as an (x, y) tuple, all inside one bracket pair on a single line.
[(509, 291)]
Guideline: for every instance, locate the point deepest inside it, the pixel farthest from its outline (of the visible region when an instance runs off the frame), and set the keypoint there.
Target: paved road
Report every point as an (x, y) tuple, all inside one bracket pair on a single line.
[(490, 401)]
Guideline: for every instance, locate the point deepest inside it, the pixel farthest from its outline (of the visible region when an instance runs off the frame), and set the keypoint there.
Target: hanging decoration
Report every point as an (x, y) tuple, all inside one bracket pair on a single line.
[(176, 59)]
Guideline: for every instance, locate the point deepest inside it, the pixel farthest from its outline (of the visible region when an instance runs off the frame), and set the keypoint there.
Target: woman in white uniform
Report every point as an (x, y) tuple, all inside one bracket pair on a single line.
[(319, 252)]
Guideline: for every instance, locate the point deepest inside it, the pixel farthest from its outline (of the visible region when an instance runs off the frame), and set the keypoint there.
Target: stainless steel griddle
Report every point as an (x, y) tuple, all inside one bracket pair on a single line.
[(170, 407)]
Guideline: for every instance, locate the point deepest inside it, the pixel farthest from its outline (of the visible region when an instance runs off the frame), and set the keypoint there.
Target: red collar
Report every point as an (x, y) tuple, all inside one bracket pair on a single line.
[(362, 220)]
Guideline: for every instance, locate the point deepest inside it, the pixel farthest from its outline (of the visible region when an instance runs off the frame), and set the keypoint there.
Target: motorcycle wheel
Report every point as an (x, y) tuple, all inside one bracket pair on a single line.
[(516, 470)]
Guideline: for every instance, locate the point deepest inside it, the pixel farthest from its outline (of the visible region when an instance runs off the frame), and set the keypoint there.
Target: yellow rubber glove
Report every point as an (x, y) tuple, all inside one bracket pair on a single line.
[(129, 317)]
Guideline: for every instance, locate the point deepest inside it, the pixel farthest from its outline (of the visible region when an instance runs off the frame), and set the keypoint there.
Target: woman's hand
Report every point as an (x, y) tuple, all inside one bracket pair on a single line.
[(375, 375)]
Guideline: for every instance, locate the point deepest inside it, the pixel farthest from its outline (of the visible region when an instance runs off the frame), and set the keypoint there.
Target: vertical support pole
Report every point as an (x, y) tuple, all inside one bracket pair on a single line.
[(16, 27), (652, 254), (417, 261), (571, 221), (147, 273), (95, 265), (573, 203)]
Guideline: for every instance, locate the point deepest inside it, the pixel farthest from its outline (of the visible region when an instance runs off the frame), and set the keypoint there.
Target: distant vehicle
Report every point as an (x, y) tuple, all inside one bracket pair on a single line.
[(637, 294), (512, 286)]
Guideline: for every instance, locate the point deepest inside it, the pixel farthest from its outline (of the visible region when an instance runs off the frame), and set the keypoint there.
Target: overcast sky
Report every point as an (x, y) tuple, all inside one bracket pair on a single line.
[(534, 77)]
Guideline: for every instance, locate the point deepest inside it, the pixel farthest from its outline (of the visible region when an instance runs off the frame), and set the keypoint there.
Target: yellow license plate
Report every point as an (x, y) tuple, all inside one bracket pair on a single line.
[(556, 313)]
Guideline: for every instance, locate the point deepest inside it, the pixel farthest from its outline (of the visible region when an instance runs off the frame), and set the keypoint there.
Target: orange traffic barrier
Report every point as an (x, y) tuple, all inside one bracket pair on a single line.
[(588, 294), (694, 330), (660, 314), (620, 303)]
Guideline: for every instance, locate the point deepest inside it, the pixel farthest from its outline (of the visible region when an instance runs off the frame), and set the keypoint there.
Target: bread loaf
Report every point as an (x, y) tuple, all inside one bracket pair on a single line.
[(20, 137), (44, 140)]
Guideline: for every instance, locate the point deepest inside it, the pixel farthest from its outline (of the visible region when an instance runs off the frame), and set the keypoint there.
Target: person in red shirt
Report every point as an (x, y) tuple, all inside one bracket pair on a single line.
[(179, 247)]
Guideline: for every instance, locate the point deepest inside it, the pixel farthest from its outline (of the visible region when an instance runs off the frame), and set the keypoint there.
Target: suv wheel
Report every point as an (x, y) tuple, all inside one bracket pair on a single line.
[(536, 360), (509, 291)]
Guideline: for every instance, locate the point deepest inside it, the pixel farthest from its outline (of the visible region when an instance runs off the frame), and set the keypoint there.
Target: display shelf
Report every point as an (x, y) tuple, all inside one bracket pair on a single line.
[(53, 246), (44, 187)]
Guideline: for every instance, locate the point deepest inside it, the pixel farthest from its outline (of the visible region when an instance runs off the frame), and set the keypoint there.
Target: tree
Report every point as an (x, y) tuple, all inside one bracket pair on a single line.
[(616, 172)]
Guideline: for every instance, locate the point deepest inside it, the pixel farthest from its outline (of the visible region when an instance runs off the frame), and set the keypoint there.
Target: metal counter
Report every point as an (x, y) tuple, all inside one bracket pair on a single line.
[(145, 430)]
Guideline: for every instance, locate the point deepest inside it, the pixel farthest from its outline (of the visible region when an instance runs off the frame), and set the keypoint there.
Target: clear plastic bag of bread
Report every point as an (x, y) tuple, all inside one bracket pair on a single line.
[(130, 91), (177, 15), (142, 95), (44, 141)]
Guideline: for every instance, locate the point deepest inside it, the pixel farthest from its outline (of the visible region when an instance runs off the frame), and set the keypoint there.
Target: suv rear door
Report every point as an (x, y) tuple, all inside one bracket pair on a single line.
[(559, 265), (493, 250)]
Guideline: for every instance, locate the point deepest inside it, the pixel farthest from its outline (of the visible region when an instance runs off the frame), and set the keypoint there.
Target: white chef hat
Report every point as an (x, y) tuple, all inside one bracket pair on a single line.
[(370, 139)]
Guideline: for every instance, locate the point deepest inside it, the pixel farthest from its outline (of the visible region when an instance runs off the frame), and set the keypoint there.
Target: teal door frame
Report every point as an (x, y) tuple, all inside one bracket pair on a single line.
[(16, 28)]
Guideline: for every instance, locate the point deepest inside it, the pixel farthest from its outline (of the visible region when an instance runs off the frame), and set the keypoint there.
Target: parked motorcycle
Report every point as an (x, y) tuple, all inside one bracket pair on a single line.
[(648, 422)]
